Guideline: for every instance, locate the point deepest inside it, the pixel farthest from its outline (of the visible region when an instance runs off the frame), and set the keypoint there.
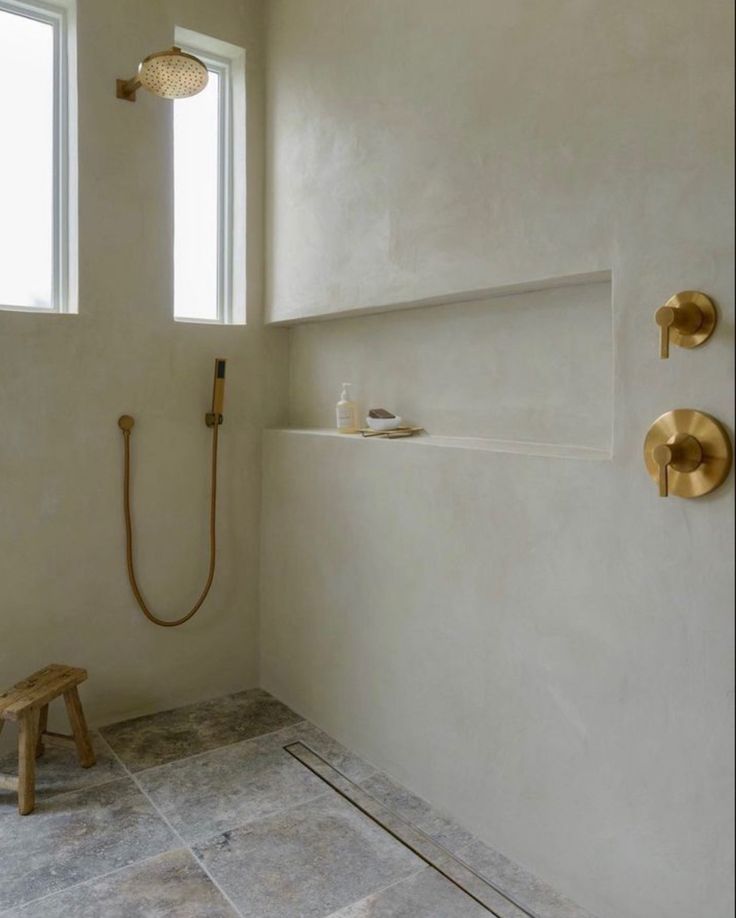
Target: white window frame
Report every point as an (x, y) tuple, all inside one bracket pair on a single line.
[(63, 294), (224, 66)]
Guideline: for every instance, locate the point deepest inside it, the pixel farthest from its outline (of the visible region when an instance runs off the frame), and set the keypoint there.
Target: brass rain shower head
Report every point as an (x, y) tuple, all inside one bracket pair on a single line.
[(171, 74)]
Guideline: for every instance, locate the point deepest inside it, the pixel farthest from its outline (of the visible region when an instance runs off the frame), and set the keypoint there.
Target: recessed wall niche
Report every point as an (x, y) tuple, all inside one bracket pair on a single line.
[(534, 366)]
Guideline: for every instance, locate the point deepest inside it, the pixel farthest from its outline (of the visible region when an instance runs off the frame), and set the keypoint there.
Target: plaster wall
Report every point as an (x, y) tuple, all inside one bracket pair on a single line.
[(540, 646), (64, 380)]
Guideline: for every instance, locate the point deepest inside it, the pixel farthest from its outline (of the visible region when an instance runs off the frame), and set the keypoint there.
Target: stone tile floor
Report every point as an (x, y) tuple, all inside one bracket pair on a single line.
[(200, 813)]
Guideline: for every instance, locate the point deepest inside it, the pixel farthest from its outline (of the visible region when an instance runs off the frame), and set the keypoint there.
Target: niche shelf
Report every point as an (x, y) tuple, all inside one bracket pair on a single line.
[(526, 371), (476, 444)]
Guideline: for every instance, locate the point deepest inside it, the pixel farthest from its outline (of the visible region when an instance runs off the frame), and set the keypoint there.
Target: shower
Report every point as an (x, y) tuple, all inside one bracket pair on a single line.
[(171, 74), (213, 419)]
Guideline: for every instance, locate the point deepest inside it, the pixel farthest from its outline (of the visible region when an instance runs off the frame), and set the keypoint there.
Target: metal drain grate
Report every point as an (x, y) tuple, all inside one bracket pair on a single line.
[(492, 899)]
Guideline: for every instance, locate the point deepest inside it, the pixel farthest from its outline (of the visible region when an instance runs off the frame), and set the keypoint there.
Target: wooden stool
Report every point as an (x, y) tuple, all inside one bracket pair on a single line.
[(28, 704)]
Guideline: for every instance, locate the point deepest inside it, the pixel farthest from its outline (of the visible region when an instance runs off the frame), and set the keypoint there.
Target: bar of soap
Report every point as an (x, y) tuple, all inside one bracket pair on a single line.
[(380, 413)]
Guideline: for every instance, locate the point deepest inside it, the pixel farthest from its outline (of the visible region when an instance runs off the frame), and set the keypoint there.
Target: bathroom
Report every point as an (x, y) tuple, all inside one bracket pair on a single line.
[(485, 669)]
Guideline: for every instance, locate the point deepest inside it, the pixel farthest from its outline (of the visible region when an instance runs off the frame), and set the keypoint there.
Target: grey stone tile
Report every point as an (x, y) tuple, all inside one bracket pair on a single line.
[(74, 837), (418, 812), (419, 842), (58, 772), (228, 787), (172, 885), (523, 887), (351, 765), (518, 884), (306, 862), (160, 738), (424, 894)]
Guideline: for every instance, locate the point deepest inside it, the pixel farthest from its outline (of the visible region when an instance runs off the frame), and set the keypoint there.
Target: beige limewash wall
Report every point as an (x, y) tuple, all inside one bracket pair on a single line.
[(539, 645), (64, 380)]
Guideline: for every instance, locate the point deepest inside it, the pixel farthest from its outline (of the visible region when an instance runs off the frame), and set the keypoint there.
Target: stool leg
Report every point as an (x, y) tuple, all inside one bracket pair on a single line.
[(43, 721), (79, 728), (27, 738)]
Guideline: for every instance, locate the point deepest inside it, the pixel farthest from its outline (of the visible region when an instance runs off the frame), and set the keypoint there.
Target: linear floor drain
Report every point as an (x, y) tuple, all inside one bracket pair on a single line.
[(488, 896)]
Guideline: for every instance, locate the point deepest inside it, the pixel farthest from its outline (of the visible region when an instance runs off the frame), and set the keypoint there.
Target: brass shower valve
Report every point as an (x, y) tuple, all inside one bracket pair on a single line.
[(688, 453), (687, 320)]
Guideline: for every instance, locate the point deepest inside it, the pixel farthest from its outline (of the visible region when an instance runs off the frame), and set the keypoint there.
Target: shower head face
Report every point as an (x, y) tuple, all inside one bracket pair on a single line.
[(173, 74)]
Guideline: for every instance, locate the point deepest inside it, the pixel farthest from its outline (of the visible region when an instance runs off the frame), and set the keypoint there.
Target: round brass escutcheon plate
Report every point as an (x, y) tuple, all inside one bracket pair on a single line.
[(708, 311), (713, 439), (125, 422)]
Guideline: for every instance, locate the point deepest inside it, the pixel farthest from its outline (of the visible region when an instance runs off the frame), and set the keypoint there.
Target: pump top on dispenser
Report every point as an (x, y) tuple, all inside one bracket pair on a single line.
[(347, 414)]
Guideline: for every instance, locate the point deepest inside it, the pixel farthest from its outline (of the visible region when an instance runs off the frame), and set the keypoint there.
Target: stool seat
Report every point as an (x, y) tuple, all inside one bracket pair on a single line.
[(39, 689), (27, 702)]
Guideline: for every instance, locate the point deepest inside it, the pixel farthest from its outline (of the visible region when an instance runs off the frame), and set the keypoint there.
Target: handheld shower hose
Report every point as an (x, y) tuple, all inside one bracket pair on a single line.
[(213, 419)]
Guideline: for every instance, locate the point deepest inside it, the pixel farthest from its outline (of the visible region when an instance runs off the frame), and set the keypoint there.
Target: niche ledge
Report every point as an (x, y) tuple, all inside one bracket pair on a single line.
[(291, 316), (475, 444)]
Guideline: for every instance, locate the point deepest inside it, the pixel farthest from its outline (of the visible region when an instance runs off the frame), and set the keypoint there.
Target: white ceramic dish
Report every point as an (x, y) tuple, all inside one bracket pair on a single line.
[(383, 423)]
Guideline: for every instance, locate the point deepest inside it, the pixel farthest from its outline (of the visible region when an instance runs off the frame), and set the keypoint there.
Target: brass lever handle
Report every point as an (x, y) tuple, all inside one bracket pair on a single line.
[(688, 453), (683, 453), (687, 320), (663, 457)]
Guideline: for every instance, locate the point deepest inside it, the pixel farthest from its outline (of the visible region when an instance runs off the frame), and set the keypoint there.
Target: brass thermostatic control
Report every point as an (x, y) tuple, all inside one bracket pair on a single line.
[(688, 453), (687, 319)]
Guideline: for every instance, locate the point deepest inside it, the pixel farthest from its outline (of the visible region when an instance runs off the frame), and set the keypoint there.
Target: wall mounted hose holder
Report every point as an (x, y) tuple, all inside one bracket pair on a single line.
[(687, 319), (688, 453)]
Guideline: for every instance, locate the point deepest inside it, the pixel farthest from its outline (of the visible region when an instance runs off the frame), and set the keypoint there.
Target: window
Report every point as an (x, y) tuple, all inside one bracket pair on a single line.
[(206, 284), (34, 157)]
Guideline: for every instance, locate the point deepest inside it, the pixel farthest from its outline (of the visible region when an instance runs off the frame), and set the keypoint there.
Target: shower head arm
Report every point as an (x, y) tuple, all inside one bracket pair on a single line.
[(126, 89)]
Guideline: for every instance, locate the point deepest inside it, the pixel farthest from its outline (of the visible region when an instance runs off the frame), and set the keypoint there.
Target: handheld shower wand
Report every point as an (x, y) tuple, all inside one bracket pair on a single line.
[(218, 395), (213, 419)]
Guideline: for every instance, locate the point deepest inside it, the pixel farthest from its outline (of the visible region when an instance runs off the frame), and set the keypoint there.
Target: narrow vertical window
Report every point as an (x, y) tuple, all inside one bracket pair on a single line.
[(33, 158), (202, 199)]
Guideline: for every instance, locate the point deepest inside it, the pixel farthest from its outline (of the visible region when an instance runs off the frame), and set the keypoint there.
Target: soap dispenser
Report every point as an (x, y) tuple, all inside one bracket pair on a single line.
[(347, 413)]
